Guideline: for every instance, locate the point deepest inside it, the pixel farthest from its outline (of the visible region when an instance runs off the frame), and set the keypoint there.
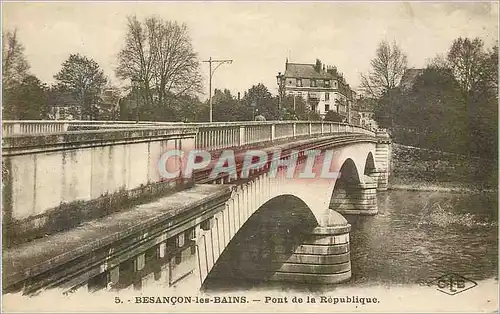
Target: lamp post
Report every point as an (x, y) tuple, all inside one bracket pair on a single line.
[(135, 87), (280, 79), (211, 73)]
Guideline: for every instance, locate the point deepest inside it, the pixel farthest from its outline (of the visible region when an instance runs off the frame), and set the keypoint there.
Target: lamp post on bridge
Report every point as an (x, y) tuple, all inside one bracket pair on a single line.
[(136, 83), (280, 79), (210, 74)]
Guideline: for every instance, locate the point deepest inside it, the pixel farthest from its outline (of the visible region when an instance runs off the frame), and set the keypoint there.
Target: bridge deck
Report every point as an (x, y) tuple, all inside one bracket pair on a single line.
[(40, 255)]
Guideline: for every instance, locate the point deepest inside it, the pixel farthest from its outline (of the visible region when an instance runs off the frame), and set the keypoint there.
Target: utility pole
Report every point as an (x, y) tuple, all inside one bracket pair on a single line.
[(210, 72)]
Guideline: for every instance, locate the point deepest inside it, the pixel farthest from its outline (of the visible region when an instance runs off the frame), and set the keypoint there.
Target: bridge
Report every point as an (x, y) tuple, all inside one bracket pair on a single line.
[(86, 207)]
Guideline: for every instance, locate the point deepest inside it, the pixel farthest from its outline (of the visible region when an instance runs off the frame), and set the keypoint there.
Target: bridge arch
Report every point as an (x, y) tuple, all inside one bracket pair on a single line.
[(267, 239), (369, 164)]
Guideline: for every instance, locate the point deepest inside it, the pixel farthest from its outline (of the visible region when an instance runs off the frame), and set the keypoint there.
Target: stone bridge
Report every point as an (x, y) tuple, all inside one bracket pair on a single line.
[(88, 208)]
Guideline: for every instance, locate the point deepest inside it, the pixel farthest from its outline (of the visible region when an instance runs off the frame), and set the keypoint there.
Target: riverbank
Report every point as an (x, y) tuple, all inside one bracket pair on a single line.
[(419, 169)]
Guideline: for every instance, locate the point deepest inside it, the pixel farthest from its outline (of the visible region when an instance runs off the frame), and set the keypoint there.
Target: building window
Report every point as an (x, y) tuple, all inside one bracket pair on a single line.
[(299, 82), (327, 83), (313, 83), (299, 94), (335, 84), (327, 107), (327, 96)]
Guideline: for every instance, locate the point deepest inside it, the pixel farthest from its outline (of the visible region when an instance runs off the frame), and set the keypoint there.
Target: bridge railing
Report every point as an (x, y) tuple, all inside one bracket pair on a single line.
[(210, 136), (231, 134), (256, 130), (11, 127)]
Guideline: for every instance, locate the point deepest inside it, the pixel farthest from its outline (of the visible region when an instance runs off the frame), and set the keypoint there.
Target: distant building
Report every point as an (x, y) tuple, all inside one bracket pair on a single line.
[(323, 88), (409, 78), (365, 110), (63, 106)]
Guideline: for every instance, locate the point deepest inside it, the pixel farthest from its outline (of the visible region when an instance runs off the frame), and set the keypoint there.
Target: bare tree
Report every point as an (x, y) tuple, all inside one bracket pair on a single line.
[(387, 69), (159, 54), (472, 66), (14, 64)]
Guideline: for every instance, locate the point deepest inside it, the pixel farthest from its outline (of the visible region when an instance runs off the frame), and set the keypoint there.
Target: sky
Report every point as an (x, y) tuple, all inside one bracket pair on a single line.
[(257, 36)]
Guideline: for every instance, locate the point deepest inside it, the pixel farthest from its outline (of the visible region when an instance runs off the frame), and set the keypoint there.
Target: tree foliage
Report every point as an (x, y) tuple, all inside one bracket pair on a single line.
[(228, 108), (387, 69), (333, 116), (451, 106), (471, 65), (84, 79), (24, 95), (159, 54), (14, 64), (259, 97), (27, 100)]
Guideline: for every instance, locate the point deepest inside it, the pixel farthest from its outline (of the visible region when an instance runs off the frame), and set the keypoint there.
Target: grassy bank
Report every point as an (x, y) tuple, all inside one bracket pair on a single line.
[(421, 169)]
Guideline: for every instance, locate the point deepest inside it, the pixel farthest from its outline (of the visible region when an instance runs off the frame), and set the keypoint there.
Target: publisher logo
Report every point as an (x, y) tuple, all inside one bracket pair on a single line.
[(452, 284)]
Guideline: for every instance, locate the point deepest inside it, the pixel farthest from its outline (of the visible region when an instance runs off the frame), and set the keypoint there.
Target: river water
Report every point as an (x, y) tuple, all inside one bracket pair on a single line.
[(416, 237)]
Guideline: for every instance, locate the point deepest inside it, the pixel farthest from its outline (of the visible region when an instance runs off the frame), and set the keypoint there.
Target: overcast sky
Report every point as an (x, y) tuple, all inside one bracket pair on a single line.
[(258, 36)]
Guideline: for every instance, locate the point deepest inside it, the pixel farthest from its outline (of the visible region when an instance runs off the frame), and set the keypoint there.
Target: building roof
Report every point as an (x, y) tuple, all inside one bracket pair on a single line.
[(305, 71)]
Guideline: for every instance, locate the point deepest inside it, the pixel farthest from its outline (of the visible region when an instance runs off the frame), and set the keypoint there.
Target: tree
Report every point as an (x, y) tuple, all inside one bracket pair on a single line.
[(14, 64), (387, 69), (476, 71), (227, 108), (159, 54), (265, 104), (470, 64), (333, 116), (27, 100), (85, 80)]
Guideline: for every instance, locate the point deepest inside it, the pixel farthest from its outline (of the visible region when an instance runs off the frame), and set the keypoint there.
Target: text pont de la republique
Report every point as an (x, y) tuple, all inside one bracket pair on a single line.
[(173, 300)]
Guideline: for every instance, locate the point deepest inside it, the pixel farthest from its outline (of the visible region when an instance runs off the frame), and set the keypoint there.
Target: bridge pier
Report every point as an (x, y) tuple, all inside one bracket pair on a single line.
[(382, 157), (323, 258), (356, 198)]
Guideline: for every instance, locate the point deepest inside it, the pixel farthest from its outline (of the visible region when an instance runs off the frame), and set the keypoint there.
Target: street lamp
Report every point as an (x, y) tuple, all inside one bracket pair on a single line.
[(211, 73), (280, 79), (136, 83)]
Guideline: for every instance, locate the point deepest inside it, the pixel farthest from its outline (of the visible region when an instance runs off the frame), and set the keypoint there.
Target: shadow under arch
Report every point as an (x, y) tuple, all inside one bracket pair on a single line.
[(349, 177), (267, 239), (369, 165)]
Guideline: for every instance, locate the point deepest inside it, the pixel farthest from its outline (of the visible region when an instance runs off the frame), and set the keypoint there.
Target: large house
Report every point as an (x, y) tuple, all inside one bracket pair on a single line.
[(323, 88)]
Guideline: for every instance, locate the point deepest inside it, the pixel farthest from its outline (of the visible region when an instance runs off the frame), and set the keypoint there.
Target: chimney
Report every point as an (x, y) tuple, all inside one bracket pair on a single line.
[(332, 71), (238, 96), (318, 66)]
